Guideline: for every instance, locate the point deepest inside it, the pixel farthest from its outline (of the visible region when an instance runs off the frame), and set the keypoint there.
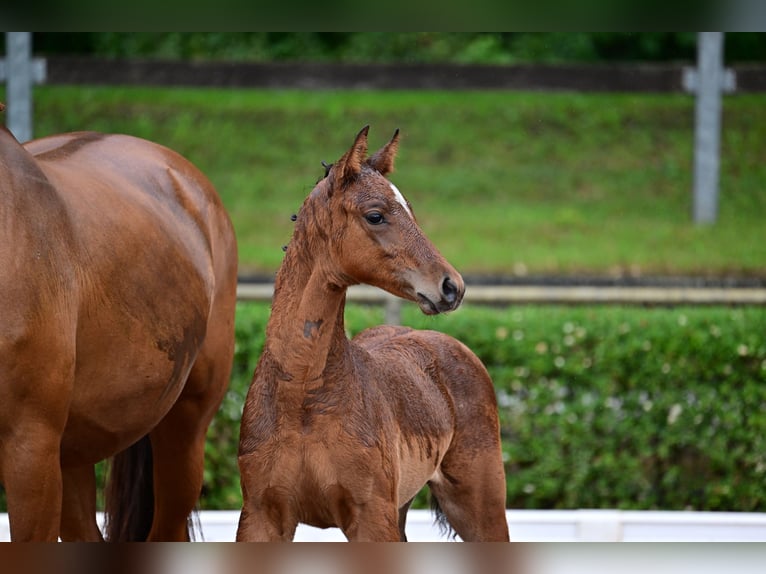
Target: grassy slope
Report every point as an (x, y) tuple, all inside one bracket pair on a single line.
[(547, 183)]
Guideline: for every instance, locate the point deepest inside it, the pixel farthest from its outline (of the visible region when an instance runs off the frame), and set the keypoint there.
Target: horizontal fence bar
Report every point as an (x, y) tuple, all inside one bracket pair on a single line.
[(542, 294), (605, 77)]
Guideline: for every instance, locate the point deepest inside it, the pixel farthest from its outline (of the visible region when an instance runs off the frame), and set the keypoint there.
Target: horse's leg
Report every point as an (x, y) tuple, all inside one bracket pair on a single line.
[(36, 395), (471, 493), (78, 513), (178, 445), (178, 442), (32, 479)]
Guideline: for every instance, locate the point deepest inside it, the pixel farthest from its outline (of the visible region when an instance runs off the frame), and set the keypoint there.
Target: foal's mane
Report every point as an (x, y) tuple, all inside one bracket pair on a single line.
[(327, 167)]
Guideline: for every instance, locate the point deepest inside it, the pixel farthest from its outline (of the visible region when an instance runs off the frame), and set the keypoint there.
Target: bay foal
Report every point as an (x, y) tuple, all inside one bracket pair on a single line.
[(339, 432)]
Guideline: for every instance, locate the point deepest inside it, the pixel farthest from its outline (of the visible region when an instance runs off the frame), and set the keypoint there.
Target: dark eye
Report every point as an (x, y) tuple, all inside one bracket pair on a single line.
[(374, 218)]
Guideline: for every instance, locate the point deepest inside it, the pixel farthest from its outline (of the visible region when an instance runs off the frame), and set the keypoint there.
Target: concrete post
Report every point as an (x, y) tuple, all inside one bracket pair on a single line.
[(707, 126), (18, 47)]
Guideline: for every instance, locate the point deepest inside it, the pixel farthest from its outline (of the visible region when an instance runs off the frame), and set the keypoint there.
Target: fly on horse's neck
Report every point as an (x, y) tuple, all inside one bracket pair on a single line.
[(339, 432)]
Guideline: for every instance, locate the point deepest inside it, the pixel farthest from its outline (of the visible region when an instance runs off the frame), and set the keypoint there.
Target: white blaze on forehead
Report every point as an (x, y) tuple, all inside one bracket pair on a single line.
[(400, 198)]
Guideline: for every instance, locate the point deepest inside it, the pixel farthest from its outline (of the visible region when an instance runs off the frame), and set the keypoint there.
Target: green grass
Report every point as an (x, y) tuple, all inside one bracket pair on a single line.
[(559, 183)]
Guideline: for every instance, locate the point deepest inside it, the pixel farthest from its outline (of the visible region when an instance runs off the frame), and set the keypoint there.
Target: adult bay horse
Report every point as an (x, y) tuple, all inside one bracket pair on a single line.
[(117, 294), (339, 432)]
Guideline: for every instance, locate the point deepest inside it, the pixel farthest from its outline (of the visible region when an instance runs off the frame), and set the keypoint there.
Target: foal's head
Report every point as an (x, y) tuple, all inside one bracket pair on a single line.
[(365, 232)]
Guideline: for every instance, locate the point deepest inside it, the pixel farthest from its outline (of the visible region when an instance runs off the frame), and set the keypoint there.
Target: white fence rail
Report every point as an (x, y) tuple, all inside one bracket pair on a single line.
[(543, 526), (570, 294)]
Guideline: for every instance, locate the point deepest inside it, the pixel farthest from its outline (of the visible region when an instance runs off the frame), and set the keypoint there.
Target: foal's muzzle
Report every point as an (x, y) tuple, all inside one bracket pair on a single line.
[(449, 296)]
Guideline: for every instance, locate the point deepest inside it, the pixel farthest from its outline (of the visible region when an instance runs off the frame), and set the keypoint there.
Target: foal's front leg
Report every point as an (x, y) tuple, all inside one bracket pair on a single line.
[(376, 521), (258, 525), (265, 515)]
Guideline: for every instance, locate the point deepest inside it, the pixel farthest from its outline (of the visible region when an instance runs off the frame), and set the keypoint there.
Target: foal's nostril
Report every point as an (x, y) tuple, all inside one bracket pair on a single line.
[(449, 290)]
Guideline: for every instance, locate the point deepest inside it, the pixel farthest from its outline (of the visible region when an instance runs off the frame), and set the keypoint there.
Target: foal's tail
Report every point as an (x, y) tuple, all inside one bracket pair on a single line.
[(129, 505)]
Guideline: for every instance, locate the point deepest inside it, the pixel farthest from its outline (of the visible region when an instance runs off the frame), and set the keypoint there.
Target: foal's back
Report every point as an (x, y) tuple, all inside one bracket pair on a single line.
[(451, 365)]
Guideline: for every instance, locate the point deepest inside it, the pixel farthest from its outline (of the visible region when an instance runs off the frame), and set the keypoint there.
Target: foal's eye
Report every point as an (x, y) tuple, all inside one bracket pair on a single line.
[(374, 218)]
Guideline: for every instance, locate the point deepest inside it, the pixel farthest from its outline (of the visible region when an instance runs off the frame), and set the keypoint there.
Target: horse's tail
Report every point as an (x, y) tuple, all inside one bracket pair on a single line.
[(129, 504), (440, 519)]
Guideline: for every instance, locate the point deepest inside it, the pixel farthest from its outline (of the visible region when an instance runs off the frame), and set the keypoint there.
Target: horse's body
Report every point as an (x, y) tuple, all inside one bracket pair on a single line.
[(117, 290), (340, 432)]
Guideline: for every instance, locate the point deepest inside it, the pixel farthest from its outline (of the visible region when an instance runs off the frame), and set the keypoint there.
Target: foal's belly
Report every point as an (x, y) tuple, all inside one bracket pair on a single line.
[(418, 465)]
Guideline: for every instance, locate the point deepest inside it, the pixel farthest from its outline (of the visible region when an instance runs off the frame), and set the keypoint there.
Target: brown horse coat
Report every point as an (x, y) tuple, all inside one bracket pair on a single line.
[(339, 432), (117, 289)]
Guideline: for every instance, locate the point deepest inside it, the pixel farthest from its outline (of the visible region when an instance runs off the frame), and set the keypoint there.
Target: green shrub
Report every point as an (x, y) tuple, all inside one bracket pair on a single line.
[(608, 407)]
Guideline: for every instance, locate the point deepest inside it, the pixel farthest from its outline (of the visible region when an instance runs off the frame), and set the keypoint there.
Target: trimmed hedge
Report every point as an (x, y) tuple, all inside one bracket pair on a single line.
[(608, 407), (601, 407)]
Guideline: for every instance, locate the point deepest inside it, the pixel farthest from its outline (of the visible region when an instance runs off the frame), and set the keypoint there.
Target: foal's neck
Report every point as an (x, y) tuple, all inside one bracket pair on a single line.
[(306, 332)]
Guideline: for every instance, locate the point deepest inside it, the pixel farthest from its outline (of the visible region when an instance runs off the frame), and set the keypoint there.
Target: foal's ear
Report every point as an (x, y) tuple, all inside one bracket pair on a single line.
[(349, 166), (383, 159)]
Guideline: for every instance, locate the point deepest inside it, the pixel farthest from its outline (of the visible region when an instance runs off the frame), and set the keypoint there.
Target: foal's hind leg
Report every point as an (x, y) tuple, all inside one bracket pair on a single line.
[(78, 513), (471, 493), (470, 482)]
